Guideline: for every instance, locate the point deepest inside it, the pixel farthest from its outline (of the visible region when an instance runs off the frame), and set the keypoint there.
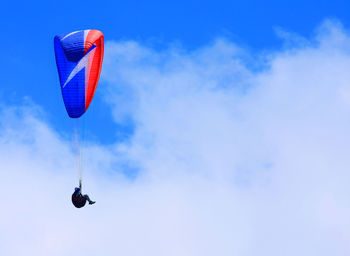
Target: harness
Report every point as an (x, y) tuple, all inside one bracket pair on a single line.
[(78, 200)]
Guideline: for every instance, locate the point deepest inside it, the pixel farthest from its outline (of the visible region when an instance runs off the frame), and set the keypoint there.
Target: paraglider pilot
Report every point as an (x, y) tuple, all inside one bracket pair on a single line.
[(78, 199)]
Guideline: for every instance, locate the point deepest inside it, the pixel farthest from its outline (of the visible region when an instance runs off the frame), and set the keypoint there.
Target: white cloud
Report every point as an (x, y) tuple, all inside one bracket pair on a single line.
[(233, 161)]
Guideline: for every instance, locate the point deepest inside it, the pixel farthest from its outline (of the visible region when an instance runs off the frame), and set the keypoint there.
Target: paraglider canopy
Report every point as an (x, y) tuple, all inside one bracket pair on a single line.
[(79, 58)]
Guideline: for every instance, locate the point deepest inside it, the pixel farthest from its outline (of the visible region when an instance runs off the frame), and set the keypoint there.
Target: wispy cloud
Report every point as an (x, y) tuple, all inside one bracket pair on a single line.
[(232, 160)]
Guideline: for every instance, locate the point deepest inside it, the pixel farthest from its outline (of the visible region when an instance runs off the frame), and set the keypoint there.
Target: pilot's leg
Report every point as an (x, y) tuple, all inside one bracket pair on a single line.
[(88, 199)]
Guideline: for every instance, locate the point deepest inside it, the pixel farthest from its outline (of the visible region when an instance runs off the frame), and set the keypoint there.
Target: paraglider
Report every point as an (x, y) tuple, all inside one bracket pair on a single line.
[(78, 199), (79, 57)]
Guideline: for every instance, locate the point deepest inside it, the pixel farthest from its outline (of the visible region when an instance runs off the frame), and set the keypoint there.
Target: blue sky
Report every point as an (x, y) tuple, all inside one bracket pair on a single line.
[(28, 29), (192, 150)]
